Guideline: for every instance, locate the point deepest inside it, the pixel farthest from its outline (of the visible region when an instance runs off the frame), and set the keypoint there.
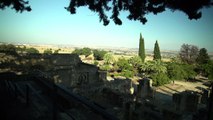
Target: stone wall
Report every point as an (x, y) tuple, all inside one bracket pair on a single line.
[(144, 89), (66, 69), (186, 101)]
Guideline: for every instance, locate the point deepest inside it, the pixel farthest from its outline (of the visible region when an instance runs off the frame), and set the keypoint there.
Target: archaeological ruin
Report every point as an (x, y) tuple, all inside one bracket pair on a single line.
[(62, 87)]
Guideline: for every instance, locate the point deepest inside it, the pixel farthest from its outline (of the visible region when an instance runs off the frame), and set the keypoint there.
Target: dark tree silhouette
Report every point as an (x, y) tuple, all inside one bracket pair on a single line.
[(18, 5), (141, 52), (137, 8)]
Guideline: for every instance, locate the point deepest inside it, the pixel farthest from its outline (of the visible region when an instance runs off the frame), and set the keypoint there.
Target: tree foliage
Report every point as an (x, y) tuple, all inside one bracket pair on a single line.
[(177, 71), (48, 51), (108, 58), (18, 5), (123, 64), (8, 48), (189, 53), (83, 51), (151, 67), (127, 73), (203, 56), (141, 51), (56, 51), (32, 50), (156, 70), (160, 79), (105, 67), (189, 72), (135, 61), (157, 54), (137, 9), (207, 69), (99, 54)]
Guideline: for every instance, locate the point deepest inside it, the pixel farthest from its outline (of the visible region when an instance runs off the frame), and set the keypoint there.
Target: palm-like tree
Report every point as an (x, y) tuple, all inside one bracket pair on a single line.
[(153, 67)]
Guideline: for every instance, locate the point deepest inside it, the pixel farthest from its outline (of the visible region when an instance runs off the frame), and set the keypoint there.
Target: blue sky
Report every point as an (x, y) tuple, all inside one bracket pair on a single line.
[(50, 23)]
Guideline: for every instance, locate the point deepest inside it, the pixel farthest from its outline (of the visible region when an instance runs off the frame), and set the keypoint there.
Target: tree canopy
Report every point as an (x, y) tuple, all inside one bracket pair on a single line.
[(203, 56), (84, 51), (137, 9), (99, 54), (48, 51), (188, 53)]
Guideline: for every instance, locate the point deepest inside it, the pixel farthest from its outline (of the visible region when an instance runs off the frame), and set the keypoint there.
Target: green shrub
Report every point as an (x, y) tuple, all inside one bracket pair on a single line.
[(159, 79), (135, 61), (32, 50), (207, 69), (105, 67), (189, 72), (123, 64), (95, 62), (83, 51), (108, 58), (99, 54), (178, 71), (151, 67), (8, 48), (175, 71), (48, 51), (127, 73)]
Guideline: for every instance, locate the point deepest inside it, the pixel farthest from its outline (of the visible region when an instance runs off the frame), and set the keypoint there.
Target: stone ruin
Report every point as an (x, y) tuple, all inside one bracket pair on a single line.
[(186, 101), (144, 89), (67, 69), (125, 99)]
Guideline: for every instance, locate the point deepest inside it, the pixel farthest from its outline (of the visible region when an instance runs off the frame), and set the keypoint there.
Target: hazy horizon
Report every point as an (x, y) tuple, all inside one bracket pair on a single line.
[(52, 24)]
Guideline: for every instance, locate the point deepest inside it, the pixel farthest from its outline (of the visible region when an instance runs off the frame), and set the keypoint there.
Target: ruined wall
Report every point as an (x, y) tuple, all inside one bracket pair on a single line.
[(122, 85), (86, 74), (66, 69), (186, 101), (144, 89)]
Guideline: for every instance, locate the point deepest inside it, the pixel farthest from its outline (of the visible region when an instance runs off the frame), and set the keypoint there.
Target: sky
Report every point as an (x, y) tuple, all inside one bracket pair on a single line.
[(50, 23)]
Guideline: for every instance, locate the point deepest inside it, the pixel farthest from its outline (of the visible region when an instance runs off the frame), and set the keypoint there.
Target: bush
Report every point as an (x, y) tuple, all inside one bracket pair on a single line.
[(207, 69), (175, 71), (7, 48), (105, 67), (115, 67), (136, 63), (48, 51), (151, 67), (127, 73), (32, 50), (99, 54), (56, 51), (178, 71), (95, 62), (189, 72), (160, 79), (108, 58), (84, 51), (123, 64)]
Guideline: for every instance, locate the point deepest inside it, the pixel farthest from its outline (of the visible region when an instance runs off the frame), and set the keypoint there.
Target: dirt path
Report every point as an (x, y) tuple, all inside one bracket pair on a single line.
[(164, 93), (181, 86)]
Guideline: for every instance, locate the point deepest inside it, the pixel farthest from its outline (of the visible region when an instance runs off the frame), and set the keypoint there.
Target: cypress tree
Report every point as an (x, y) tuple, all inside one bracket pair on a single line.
[(141, 52), (157, 54)]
